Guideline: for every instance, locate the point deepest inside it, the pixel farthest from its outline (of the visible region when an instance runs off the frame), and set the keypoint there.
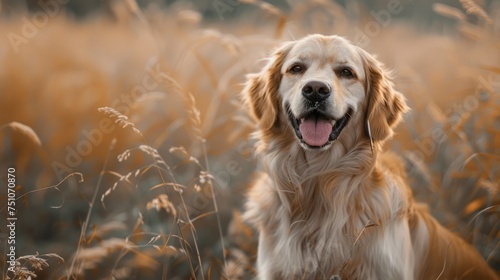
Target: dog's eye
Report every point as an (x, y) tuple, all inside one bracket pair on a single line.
[(346, 73), (296, 69)]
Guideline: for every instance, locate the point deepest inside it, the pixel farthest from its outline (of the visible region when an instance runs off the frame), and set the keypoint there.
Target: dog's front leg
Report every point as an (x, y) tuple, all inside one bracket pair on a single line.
[(392, 254), (265, 271)]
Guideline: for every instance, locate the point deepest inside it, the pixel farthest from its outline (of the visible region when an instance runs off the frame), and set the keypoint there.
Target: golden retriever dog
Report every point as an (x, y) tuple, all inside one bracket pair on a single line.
[(331, 205)]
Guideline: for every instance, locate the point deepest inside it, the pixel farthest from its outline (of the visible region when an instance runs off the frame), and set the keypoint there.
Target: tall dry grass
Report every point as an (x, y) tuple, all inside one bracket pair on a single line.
[(163, 188)]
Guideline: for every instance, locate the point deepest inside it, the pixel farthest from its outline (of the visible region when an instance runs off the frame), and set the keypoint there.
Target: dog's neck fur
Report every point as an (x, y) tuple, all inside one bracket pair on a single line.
[(306, 178), (349, 164)]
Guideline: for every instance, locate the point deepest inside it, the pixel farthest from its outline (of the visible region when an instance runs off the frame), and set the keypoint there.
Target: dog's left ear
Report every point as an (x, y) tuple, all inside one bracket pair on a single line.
[(385, 105)]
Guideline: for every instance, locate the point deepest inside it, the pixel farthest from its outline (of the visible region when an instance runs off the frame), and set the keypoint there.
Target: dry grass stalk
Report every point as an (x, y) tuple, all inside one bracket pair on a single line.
[(27, 266), (162, 202), (74, 263), (90, 258), (472, 8), (448, 11), (24, 130), (195, 118), (120, 118)]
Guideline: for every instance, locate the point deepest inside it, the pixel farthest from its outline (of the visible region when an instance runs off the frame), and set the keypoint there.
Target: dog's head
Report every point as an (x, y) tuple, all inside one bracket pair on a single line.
[(320, 88)]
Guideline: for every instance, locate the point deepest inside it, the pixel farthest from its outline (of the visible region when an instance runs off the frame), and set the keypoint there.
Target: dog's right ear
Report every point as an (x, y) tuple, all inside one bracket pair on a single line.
[(261, 89)]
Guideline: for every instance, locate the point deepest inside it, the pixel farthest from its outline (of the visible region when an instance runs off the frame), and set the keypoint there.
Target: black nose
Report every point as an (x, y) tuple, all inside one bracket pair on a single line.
[(316, 91)]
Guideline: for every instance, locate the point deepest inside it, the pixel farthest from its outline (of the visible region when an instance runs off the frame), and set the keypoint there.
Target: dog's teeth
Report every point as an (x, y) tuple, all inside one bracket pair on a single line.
[(302, 120)]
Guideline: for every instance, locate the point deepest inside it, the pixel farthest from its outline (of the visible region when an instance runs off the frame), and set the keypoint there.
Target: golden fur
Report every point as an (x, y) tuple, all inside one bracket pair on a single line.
[(341, 209)]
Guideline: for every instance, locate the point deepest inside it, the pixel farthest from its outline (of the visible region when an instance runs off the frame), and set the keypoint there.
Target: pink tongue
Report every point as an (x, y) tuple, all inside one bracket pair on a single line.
[(315, 133)]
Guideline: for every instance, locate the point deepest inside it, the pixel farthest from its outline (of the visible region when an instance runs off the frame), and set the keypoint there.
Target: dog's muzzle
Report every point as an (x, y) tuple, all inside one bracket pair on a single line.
[(316, 129)]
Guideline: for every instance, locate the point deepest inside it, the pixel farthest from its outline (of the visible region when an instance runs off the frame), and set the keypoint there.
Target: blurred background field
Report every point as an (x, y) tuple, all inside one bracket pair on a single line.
[(132, 153)]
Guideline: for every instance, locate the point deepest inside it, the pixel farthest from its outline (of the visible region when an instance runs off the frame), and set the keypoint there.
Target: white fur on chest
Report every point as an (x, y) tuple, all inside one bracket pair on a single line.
[(299, 247), (321, 246)]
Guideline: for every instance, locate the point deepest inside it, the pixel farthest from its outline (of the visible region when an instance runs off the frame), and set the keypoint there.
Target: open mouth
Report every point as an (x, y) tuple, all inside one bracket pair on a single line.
[(317, 130)]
